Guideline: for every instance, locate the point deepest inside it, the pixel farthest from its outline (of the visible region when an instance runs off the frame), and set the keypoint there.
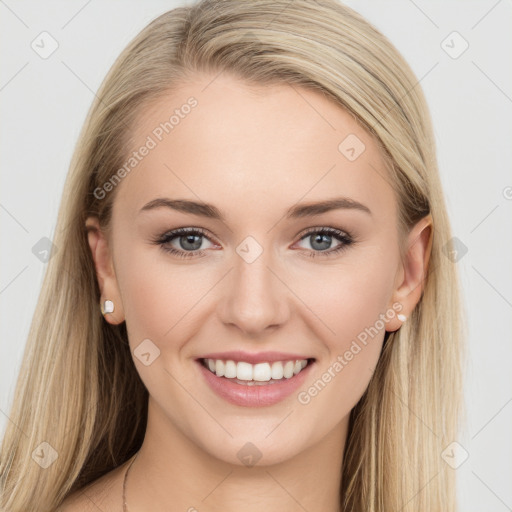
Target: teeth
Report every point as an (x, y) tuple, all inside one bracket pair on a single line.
[(277, 370), (229, 369), (219, 368), (251, 373), (288, 369), (261, 372), (244, 371)]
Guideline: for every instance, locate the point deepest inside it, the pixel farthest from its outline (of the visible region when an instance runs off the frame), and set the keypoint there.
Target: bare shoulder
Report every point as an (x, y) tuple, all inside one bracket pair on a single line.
[(103, 494)]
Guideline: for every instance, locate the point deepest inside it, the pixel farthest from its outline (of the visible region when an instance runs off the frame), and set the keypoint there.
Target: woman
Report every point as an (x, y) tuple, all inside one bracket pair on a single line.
[(251, 304)]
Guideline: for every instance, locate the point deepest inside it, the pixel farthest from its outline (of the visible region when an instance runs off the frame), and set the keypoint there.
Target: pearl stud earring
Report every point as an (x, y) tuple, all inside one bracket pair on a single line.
[(401, 317), (107, 306)]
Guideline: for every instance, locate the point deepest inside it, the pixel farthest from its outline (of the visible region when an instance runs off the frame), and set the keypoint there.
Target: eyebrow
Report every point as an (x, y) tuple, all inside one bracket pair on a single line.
[(295, 212)]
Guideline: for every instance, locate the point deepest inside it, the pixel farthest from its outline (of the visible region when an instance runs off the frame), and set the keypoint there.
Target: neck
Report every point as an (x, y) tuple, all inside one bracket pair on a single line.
[(171, 472)]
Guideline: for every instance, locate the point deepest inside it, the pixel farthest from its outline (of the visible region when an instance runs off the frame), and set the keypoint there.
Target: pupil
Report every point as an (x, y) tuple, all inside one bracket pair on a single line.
[(190, 239), (323, 241)]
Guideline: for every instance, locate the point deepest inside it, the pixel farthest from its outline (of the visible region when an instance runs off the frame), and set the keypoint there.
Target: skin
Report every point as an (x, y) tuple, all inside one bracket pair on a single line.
[(253, 153)]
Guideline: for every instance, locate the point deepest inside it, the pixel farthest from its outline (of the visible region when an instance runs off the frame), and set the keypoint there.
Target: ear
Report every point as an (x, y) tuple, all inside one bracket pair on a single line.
[(413, 270), (105, 273)]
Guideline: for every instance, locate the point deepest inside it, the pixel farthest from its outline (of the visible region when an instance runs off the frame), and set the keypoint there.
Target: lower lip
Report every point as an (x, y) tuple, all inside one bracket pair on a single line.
[(254, 396)]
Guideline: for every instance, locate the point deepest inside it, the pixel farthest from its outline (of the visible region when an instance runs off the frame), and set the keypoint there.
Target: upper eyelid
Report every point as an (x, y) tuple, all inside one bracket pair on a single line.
[(323, 228)]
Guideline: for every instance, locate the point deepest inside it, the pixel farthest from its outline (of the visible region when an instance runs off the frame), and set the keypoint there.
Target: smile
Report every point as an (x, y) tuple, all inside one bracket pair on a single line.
[(249, 374), (254, 385)]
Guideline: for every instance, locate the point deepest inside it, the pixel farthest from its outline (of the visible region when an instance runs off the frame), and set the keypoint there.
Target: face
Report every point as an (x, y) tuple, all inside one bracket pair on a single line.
[(259, 276)]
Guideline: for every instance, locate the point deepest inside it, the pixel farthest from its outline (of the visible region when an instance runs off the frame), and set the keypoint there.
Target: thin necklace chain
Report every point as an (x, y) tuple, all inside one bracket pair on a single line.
[(125, 508)]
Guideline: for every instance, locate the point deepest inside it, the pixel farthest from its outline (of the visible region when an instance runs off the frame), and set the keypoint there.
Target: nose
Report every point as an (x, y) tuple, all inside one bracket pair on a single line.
[(255, 299)]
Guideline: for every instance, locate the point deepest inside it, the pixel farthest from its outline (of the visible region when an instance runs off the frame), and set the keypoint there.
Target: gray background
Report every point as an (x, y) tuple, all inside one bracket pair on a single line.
[(43, 103)]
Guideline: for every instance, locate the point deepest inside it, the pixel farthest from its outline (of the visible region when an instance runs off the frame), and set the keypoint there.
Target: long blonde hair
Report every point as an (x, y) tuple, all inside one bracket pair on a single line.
[(78, 389)]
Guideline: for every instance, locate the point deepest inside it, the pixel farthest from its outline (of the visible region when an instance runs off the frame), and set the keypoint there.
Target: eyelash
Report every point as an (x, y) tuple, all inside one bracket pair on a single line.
[(342, 236)]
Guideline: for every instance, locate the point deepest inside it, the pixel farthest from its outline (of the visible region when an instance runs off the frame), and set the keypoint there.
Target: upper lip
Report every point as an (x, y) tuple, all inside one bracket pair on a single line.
[(254, 358)]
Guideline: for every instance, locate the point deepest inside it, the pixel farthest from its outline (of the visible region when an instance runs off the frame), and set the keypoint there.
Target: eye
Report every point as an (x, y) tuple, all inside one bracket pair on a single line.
[(183, 242), (188, 242), (321, 240)]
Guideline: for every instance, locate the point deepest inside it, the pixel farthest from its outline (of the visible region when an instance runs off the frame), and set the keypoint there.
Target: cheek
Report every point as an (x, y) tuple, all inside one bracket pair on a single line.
[(161, 299), (349, 297), (351, 303)]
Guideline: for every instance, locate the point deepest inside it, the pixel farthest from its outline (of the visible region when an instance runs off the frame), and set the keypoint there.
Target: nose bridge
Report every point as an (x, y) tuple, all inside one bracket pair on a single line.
[(255, 299)]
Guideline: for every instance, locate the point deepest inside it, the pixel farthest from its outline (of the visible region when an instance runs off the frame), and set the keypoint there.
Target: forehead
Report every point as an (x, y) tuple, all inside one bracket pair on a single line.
[(252, 150)]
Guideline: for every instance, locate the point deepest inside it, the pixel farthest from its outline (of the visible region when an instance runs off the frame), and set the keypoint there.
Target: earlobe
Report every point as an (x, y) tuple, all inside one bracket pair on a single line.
[(414, 270), (110, 302)]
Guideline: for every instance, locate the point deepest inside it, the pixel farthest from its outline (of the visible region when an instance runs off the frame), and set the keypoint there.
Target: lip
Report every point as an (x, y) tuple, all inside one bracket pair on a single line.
[(257, 395), (254, 358)]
